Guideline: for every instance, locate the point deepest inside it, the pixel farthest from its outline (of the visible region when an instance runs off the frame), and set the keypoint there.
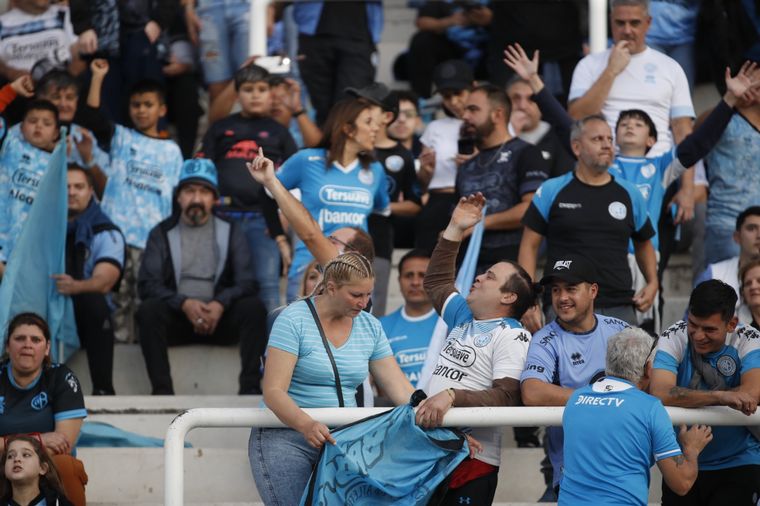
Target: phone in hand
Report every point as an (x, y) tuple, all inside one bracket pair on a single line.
[(466, 145)]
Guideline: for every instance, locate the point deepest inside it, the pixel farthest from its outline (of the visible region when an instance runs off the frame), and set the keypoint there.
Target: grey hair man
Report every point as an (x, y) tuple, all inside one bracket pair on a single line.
[(615, 431)]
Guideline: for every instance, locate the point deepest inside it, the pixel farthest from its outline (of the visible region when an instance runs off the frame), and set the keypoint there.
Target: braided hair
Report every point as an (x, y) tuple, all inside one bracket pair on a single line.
[(346, 268)]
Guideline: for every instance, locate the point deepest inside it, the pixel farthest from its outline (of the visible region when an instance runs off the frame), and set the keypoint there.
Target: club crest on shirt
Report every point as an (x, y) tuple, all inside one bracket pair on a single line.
[(648, 170), (482, 340), (617, 210), (394, 163), (366, 176), (726, 365), (39, 401)]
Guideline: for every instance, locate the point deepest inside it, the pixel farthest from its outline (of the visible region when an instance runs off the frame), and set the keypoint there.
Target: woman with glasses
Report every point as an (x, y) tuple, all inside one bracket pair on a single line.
[(39, 396), (320, 349)]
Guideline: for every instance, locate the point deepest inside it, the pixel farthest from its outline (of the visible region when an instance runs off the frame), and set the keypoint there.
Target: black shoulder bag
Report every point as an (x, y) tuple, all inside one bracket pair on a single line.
[(338, 387)]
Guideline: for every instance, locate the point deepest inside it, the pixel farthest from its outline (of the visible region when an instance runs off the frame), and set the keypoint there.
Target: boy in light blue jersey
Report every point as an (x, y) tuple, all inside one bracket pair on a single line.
[(711, 360), (569, 352), (23, 162), (411, 326), (142, 174), (616, 432)]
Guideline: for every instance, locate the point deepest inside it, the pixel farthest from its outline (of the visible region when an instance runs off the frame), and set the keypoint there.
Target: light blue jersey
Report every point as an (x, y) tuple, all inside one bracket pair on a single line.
[(674, 22), (21, 169), (615, 433), (99, 157), (651, 176), (141, 178), (335, 196), (731, 446), (409, 337), (570, 360), (313, 382)]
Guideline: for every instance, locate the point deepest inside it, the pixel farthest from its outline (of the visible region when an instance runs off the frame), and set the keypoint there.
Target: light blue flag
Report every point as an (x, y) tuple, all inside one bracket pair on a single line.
[(39, 253), (463, 283)]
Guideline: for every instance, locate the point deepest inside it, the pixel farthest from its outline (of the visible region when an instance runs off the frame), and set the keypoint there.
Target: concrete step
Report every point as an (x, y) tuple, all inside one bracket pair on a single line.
[(139, 475)]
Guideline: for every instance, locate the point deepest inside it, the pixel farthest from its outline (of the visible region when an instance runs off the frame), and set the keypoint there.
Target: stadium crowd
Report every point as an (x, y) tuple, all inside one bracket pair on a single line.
[(306, 173)]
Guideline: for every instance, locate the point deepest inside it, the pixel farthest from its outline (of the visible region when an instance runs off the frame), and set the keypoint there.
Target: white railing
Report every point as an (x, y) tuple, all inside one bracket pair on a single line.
[(457, 417), (257, 22)]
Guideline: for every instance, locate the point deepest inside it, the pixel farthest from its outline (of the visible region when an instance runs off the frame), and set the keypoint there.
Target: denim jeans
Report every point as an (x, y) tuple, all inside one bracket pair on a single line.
[(265, 257), (719, 245), (281, 462), (223, 37)]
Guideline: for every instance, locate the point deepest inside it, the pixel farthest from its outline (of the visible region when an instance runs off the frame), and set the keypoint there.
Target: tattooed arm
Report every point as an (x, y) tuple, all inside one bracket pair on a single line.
[(663, 386), (680, 471)]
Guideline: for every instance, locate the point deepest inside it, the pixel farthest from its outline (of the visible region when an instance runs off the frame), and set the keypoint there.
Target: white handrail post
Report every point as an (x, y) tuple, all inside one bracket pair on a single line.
[(257, 28), (174, 463), (597, 25)]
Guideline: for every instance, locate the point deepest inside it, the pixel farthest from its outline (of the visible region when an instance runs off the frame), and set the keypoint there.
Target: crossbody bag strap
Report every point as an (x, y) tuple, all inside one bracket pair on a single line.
[(338, 387)]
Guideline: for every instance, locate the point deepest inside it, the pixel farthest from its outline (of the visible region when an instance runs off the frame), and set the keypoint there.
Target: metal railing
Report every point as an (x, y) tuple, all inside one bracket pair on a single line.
[(333, 417)]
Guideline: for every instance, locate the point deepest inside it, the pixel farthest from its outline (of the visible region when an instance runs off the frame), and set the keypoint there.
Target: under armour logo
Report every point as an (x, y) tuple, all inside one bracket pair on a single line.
[(465, 500), (562, 264)]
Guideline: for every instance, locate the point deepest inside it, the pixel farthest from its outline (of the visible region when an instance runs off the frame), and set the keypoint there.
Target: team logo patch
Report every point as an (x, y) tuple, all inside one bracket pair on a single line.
[(617, 210), (648, 170), (482, 340), (39, 401), (394, 163), (366, 176), (726, 365), (72, 381)]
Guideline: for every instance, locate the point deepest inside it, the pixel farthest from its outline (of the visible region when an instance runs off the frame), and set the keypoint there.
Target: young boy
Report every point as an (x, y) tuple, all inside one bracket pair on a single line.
[(405, 127), (142, 174), (23, 161), (235, 140)]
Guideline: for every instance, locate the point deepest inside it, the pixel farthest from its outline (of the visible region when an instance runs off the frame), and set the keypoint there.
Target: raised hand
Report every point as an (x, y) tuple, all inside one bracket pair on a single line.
[(516, 59), (99, 67), (261, 168), (468, 212), (746, 80), (23, 86), (620, 56)]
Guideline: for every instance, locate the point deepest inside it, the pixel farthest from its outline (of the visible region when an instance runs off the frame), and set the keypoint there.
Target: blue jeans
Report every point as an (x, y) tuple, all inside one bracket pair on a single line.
[(265, 257), (719, 245), (281, 462), (223, 37)]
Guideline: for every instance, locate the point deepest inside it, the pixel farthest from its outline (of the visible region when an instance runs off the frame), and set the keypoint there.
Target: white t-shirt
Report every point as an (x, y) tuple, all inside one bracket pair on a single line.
[(652, 82), (476, 353), (442, 135), (26, 38)]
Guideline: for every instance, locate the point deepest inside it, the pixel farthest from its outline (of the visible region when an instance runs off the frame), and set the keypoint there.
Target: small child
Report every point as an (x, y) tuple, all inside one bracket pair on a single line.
[(29, 475), (24, 160), (235, 140), (142, 174)]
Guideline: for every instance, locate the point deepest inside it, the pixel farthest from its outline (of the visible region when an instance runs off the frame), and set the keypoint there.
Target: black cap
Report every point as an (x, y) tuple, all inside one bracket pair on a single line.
[(379, 94), (453, 75), (572, 269)]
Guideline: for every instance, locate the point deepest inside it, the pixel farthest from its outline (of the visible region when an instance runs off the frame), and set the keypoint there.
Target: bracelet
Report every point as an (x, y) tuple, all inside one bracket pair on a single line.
[(451, 393), (298, 113)]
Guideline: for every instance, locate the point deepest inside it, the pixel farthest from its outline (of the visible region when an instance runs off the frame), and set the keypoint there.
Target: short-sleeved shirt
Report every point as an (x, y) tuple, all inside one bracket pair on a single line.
[(53, 396), (106, 246), (731, 446), (570, 360), (442, 135), (99, 157), (27, 38), (141, 179), (335, 196), (615, 433), (476, 353), (503, 174), (313, 382), (596, 222), (21, 169), (652, 81), (409, 337), (651, 176), (235, 140)]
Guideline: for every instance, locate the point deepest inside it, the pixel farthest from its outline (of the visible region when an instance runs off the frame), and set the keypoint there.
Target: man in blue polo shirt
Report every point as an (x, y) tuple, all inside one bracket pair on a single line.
[(616, 432), (411, 326), (711, 360), (569, 352)]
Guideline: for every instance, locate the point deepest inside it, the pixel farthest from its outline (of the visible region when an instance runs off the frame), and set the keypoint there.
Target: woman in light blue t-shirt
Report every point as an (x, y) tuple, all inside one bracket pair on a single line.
[(299, 374)]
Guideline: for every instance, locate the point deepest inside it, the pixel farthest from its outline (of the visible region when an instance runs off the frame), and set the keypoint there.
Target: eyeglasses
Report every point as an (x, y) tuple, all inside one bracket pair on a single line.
[(346, 247)]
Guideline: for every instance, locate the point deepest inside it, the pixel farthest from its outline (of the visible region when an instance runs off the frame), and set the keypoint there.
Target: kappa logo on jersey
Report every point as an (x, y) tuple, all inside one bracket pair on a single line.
[(39, 401), (522, 336), (577, 358), (460, 355), (561, 265), (617, 210)]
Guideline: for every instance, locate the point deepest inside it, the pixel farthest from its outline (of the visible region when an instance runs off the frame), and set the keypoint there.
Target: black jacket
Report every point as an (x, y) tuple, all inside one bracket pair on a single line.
[(159, 271)]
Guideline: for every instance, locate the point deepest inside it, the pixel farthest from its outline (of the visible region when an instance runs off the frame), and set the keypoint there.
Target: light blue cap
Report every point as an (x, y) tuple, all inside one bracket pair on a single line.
[(201, 171)]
